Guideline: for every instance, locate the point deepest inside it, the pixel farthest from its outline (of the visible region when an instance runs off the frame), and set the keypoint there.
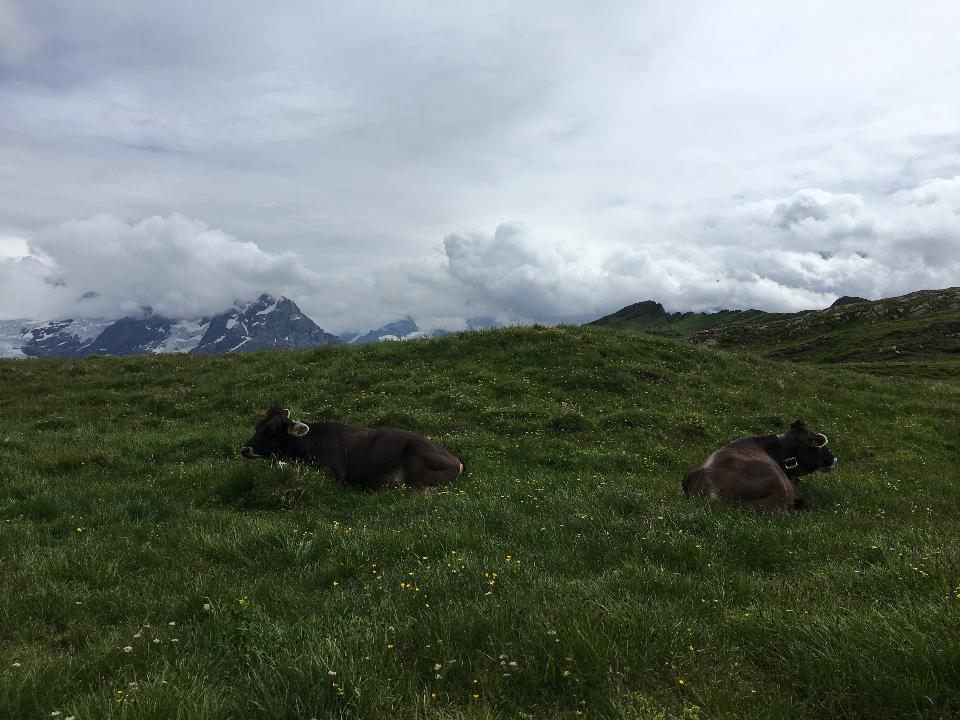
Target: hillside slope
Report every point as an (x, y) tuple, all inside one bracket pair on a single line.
[(915, 334), (148, 571), (649, 316), (918, 333)]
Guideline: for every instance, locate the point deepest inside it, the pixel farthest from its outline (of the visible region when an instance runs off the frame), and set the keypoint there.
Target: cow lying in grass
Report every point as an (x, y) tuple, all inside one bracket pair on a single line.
[(362, 457), (761, 472)]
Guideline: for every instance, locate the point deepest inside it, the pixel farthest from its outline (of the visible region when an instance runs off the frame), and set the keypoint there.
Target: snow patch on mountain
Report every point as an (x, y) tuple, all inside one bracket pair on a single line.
[(64, 338), (272, 307), (13, 335), (87, 329), (184, 336)]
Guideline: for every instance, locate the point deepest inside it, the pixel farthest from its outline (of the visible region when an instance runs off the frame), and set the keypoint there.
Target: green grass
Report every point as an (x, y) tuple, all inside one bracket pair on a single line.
[(567, 549)]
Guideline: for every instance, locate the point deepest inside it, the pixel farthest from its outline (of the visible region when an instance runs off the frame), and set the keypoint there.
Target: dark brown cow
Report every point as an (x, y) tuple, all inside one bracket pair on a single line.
[(362, 457), (761, 472)]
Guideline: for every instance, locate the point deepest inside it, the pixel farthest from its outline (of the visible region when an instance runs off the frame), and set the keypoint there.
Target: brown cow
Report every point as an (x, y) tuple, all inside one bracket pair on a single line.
[(362, 457), (761, 472)]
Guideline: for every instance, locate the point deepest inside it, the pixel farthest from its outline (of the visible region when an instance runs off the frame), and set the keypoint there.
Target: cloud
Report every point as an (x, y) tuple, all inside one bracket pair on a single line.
[(789, 253), (106, 267), (792, 253), (18, 42), (512, 271), (351, 131), (12, 247)]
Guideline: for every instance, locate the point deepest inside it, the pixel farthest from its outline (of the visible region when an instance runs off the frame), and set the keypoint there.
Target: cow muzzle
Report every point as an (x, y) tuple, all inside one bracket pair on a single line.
[(248, 453)]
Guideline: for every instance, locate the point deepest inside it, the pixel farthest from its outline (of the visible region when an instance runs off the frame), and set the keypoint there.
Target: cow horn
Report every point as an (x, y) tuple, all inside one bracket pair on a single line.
[(298, 429), (824, 439)]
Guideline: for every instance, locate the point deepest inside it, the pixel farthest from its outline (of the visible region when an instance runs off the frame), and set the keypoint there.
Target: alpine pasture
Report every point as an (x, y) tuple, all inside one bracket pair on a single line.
[(148, 571)]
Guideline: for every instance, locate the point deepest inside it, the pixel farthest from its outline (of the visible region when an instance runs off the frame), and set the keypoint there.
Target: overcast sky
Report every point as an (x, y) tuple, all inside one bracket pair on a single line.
[(529, 160)]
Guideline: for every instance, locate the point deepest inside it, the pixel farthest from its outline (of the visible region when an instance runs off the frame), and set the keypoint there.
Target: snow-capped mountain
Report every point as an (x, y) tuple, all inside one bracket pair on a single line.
[(267, 323), (57, 338), (405, 329)]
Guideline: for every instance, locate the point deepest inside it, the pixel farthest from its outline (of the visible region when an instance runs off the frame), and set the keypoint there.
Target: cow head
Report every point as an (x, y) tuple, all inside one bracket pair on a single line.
[(809, 448), (273, 435)]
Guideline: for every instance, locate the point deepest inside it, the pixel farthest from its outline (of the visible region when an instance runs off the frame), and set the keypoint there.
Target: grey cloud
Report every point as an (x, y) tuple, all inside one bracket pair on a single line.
[(17, 41), (357, 135)]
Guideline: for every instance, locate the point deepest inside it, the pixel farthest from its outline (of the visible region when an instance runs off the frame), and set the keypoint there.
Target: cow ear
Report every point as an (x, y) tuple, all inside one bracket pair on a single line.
[(285, 412), (298, 429)]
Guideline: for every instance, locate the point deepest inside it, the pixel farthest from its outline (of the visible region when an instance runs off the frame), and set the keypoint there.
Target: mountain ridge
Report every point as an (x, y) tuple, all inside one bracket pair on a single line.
[(921, 328), (267, 322)]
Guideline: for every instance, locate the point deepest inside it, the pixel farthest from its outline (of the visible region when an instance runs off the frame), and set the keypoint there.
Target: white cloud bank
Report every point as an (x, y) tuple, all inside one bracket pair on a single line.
[(790, 253), (107, 267)]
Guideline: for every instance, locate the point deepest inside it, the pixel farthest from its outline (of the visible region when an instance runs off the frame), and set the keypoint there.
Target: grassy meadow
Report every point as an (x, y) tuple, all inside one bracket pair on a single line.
[(147, 571)]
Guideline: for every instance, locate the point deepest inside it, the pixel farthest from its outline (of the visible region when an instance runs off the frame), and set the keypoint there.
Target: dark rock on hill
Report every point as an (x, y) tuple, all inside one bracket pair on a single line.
[(848, 300)]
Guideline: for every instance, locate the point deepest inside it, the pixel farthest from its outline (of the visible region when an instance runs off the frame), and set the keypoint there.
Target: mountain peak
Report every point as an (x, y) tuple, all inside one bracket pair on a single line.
[(645, 309), (268, 322), (847, 300)]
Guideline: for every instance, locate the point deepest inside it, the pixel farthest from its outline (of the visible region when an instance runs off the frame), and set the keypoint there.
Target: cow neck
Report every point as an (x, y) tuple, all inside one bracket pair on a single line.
[(787, 455), (298, 448)]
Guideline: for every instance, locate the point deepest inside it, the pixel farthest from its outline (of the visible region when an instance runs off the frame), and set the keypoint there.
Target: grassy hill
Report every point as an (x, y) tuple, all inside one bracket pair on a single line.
[(149, 572), (916, 334), (650, 317)]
